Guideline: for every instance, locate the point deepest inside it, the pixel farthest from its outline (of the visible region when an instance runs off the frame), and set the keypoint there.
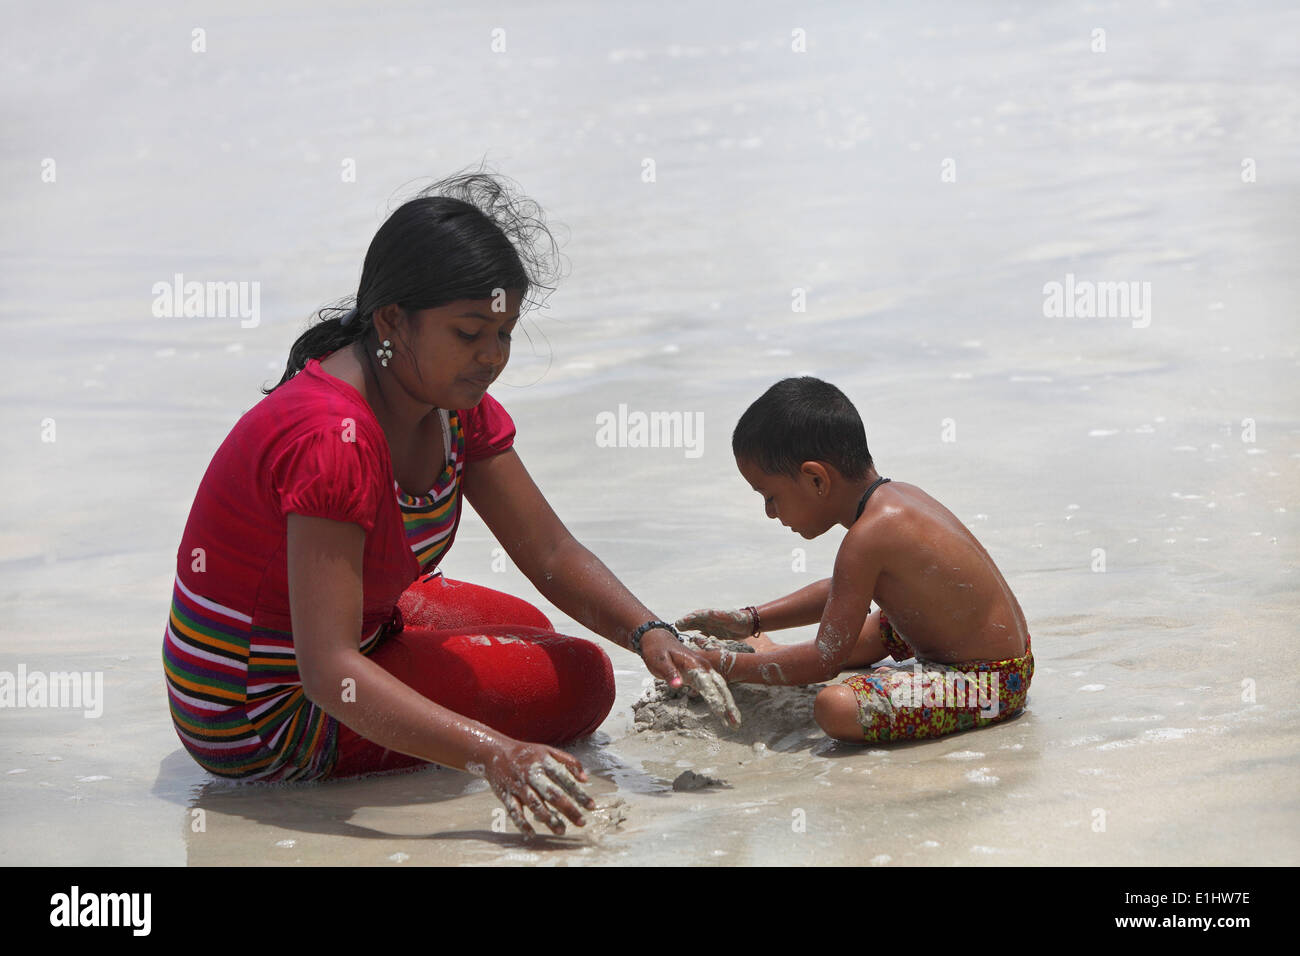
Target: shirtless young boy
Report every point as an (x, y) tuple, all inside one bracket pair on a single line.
[(803, 448)]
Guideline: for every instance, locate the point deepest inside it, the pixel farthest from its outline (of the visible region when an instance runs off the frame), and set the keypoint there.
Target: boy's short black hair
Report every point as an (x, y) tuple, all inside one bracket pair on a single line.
[(798, 420)]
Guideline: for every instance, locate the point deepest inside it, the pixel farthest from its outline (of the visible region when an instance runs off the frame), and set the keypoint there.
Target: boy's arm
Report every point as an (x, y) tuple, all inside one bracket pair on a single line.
[(804, 606), (794, 610), (851, 588)]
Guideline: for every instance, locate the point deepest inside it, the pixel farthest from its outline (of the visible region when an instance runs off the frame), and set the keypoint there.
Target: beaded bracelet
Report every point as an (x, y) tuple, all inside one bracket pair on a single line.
[(635, 642), (753, 613)]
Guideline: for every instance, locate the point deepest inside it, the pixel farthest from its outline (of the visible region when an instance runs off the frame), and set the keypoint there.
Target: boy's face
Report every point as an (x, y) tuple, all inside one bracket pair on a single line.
[(792, 501)]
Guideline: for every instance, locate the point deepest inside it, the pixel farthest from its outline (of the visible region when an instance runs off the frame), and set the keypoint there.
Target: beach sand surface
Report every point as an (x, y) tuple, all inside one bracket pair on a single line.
[(1135, 476)]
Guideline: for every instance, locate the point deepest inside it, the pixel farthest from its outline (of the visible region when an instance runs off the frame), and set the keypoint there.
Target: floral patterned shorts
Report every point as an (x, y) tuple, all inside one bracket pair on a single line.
[(927, 700)]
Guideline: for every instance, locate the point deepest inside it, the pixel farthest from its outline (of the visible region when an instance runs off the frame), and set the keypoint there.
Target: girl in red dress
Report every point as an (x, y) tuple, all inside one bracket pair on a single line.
[(310, 635)]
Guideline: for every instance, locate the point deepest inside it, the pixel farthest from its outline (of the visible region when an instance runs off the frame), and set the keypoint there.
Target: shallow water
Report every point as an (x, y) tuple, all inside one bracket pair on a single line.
[(1160, 709)]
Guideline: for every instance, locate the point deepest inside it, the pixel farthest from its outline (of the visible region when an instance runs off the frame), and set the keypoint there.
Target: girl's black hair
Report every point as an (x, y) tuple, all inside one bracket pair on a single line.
[(798, 420), (461, 238)]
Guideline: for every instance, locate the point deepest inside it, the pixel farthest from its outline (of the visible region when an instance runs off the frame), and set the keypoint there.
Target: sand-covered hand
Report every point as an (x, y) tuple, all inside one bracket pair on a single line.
[(541, 779), (712, 687), (676, 662), (707, 642), (729, 625)]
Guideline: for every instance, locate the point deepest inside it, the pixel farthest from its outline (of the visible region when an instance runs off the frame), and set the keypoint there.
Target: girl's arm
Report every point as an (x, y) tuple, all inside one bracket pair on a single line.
[(575, 580), (325, 603)]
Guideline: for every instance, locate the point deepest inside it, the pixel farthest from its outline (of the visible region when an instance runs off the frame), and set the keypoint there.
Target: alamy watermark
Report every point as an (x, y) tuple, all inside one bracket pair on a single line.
[(208, 300), (626, 429), (76, 908), (928, 688), (1086, 299), (74, 690)]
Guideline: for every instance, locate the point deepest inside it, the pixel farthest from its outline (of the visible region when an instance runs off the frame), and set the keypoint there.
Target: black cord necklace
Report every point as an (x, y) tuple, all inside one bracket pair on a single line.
[(863, 503)]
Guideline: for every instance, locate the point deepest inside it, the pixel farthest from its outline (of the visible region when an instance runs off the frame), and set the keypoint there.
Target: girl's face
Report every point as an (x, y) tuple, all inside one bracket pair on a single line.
[(459, 349)]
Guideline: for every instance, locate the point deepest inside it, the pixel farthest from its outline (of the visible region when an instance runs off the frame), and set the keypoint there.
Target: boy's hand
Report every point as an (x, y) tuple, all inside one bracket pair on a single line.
[(729, 625), (669, 659), (718, 662)]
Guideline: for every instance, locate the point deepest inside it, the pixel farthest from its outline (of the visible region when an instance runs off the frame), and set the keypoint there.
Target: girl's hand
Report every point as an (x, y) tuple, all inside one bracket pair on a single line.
[(540, 778), (669, 659), (728, 625)]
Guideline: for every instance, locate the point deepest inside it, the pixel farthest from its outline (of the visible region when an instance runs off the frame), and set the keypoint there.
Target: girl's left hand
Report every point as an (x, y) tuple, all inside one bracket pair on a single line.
[(669, 659)]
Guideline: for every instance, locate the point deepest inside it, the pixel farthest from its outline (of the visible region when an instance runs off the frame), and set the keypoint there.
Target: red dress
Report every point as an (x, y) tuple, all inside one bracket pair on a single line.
[(313, 447)]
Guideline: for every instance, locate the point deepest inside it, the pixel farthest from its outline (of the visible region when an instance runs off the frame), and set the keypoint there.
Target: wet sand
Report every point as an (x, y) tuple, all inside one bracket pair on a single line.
[(1137, 484)]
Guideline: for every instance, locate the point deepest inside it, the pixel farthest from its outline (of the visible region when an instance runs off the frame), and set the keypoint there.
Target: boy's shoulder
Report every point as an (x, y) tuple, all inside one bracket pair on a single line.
[(906, 521), (888, 502), (894, 514)]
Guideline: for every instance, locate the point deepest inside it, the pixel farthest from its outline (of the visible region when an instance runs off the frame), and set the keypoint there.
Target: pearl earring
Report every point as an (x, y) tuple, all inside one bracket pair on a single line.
[(385, 353)]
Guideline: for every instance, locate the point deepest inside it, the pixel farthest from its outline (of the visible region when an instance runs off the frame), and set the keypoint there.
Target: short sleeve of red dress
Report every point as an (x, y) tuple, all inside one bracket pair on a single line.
[(489, 429), (330, 472)]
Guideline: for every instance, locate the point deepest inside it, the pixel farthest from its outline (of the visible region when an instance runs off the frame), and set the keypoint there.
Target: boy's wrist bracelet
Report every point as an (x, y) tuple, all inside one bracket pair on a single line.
[(753, 614), (635, 642)]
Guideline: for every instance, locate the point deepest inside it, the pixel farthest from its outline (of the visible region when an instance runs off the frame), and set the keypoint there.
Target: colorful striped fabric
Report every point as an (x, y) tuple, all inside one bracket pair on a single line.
[(235, 695), (234, 690), (430, 520)]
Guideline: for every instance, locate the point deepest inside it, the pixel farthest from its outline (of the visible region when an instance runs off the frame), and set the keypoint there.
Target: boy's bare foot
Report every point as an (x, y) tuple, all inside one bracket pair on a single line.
[(761, 643)]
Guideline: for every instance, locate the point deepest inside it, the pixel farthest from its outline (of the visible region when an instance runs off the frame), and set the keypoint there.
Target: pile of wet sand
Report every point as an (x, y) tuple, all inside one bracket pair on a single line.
[(778, 717)]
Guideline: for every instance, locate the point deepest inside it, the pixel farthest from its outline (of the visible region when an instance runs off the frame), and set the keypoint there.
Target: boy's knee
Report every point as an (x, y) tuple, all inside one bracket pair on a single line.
[(836, 713)]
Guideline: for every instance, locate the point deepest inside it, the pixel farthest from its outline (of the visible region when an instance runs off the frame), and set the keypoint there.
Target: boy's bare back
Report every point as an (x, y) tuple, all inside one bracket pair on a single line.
[(937, 585)]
